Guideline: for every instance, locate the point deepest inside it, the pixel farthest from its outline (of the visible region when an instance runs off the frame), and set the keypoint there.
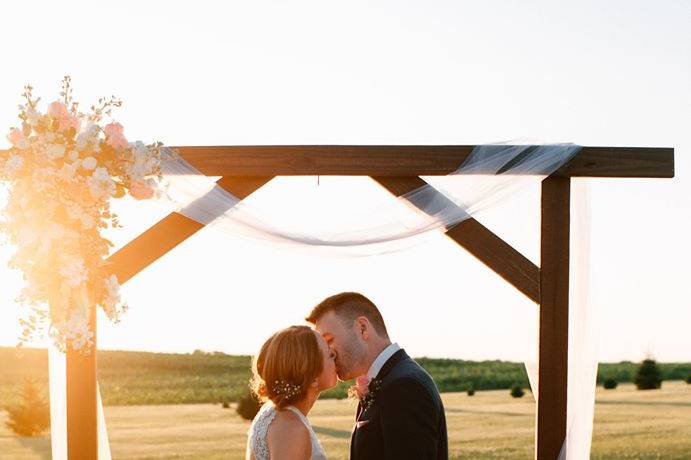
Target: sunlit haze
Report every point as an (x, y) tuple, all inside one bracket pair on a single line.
[(397, 72)]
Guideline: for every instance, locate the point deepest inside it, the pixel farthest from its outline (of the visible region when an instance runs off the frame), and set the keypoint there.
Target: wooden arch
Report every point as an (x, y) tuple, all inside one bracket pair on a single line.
[(244, 169)]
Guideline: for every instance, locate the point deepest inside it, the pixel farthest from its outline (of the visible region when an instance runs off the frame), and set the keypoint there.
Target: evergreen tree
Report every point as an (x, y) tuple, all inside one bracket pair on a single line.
[(648, 376), (32, 415)]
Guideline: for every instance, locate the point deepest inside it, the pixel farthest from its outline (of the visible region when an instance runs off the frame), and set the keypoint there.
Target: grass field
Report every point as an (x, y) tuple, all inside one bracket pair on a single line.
[(629, 424)]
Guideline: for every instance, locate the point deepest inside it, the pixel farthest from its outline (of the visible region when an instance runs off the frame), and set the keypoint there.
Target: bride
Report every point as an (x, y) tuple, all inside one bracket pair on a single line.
[(293, 366)]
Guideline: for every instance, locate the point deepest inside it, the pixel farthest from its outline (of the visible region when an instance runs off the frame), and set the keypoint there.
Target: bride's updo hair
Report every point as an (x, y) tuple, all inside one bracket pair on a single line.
[(286, 365)]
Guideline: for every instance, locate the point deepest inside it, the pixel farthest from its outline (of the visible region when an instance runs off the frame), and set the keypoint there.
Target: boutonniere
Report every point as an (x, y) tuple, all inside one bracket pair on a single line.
[(365, 390)]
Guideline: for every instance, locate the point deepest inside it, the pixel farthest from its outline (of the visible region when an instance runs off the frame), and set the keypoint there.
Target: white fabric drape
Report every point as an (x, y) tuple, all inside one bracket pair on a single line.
[(490, 174), (583, 323), (57, 378)]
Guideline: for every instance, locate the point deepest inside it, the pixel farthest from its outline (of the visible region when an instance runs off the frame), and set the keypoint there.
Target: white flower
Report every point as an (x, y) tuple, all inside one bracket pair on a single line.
[(112, 299), (42, 179), (87, 221), (89, 163), (55, 151), (23, 144), (67, 172), (136, 171), (74, 211), (13, 164), (139, 149), (74, 332), (50, 233), (32, 116), (27, 236), (74, 272), (100, 183), (73, 155), (87, 135)]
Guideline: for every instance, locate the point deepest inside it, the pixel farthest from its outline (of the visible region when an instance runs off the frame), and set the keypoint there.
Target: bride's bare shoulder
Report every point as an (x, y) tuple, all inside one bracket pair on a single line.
[(288, 436)]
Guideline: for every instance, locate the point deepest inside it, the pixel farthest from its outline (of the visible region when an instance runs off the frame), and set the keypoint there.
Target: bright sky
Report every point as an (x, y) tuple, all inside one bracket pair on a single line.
[(399, 72)]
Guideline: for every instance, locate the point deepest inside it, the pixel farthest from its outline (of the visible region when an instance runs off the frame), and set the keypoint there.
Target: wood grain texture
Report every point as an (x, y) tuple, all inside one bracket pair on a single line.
[(482, 243), (553, 364), (81, 400), (406, 160)]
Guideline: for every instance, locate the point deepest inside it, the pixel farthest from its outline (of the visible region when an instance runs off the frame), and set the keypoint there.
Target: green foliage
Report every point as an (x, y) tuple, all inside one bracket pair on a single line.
[(648, 376), (471, 389), (610, 384), (32, 415), (688, 378), (248, 406), (144, 378), (517, 391)]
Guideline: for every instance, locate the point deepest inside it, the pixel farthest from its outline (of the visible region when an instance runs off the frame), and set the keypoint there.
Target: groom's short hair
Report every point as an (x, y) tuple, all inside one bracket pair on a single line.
[(348, 306)]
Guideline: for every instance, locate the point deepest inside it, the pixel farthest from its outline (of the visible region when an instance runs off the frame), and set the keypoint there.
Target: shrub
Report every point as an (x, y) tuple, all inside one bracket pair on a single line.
[(648, 376), (610, 384), (517, 391), (32, 415), (471, 389), (248, 406), (688, 378)]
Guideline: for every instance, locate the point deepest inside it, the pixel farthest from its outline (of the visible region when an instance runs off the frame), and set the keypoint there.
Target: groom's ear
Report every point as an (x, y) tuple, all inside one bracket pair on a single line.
[(363, 327)]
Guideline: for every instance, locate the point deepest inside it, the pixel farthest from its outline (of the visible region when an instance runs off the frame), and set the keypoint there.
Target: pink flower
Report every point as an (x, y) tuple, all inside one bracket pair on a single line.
[(361, 387), (65, 119), (113, 129), (114, 135), (16, 138), (58, 110), (70, 122), (141, 190)]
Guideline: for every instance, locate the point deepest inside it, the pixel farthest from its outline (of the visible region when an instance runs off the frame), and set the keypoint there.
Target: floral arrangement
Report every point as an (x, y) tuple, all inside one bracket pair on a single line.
[(364, 391), (62, 170)]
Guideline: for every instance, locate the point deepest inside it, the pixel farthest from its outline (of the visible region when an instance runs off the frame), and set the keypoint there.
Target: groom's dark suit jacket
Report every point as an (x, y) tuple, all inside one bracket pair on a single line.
[(406, 418)]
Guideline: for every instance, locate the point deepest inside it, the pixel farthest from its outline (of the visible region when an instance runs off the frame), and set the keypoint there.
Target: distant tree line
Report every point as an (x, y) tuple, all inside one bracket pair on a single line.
[(127, 377)]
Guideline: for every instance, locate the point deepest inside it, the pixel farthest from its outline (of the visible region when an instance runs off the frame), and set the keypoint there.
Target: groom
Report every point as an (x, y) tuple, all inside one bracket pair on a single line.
[(400, 414)]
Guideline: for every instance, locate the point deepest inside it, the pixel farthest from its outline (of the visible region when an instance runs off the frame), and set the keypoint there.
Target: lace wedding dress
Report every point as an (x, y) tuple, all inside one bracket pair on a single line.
[(258, 445)]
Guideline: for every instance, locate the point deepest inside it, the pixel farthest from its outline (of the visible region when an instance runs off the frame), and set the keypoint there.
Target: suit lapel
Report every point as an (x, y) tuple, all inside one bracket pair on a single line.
[(396, 358), (390, 363)]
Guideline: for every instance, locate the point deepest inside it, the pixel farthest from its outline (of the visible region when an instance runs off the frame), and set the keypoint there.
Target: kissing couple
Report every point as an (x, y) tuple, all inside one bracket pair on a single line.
[(399, 415)]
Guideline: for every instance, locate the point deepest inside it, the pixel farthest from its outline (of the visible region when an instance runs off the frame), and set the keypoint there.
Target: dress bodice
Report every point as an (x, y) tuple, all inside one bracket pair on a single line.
[(257, 434)]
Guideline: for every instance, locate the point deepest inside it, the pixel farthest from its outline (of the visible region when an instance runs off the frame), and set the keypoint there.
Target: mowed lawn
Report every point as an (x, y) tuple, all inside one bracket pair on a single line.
[(490, 425)]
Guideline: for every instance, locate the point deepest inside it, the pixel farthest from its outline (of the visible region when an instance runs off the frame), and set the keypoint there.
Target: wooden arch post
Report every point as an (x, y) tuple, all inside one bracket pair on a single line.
[(397, 168), (81, 398), (553, 362)]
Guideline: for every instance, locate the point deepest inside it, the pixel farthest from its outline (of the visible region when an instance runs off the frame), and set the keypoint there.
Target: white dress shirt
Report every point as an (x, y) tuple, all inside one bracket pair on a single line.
[(381, 360)]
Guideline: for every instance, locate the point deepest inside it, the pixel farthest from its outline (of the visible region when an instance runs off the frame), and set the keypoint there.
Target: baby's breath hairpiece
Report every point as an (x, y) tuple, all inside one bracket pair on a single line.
[(287, 389)]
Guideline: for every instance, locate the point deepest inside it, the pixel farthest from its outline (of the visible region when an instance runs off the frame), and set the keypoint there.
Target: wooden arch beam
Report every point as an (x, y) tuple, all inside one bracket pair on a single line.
[(482, 243)]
